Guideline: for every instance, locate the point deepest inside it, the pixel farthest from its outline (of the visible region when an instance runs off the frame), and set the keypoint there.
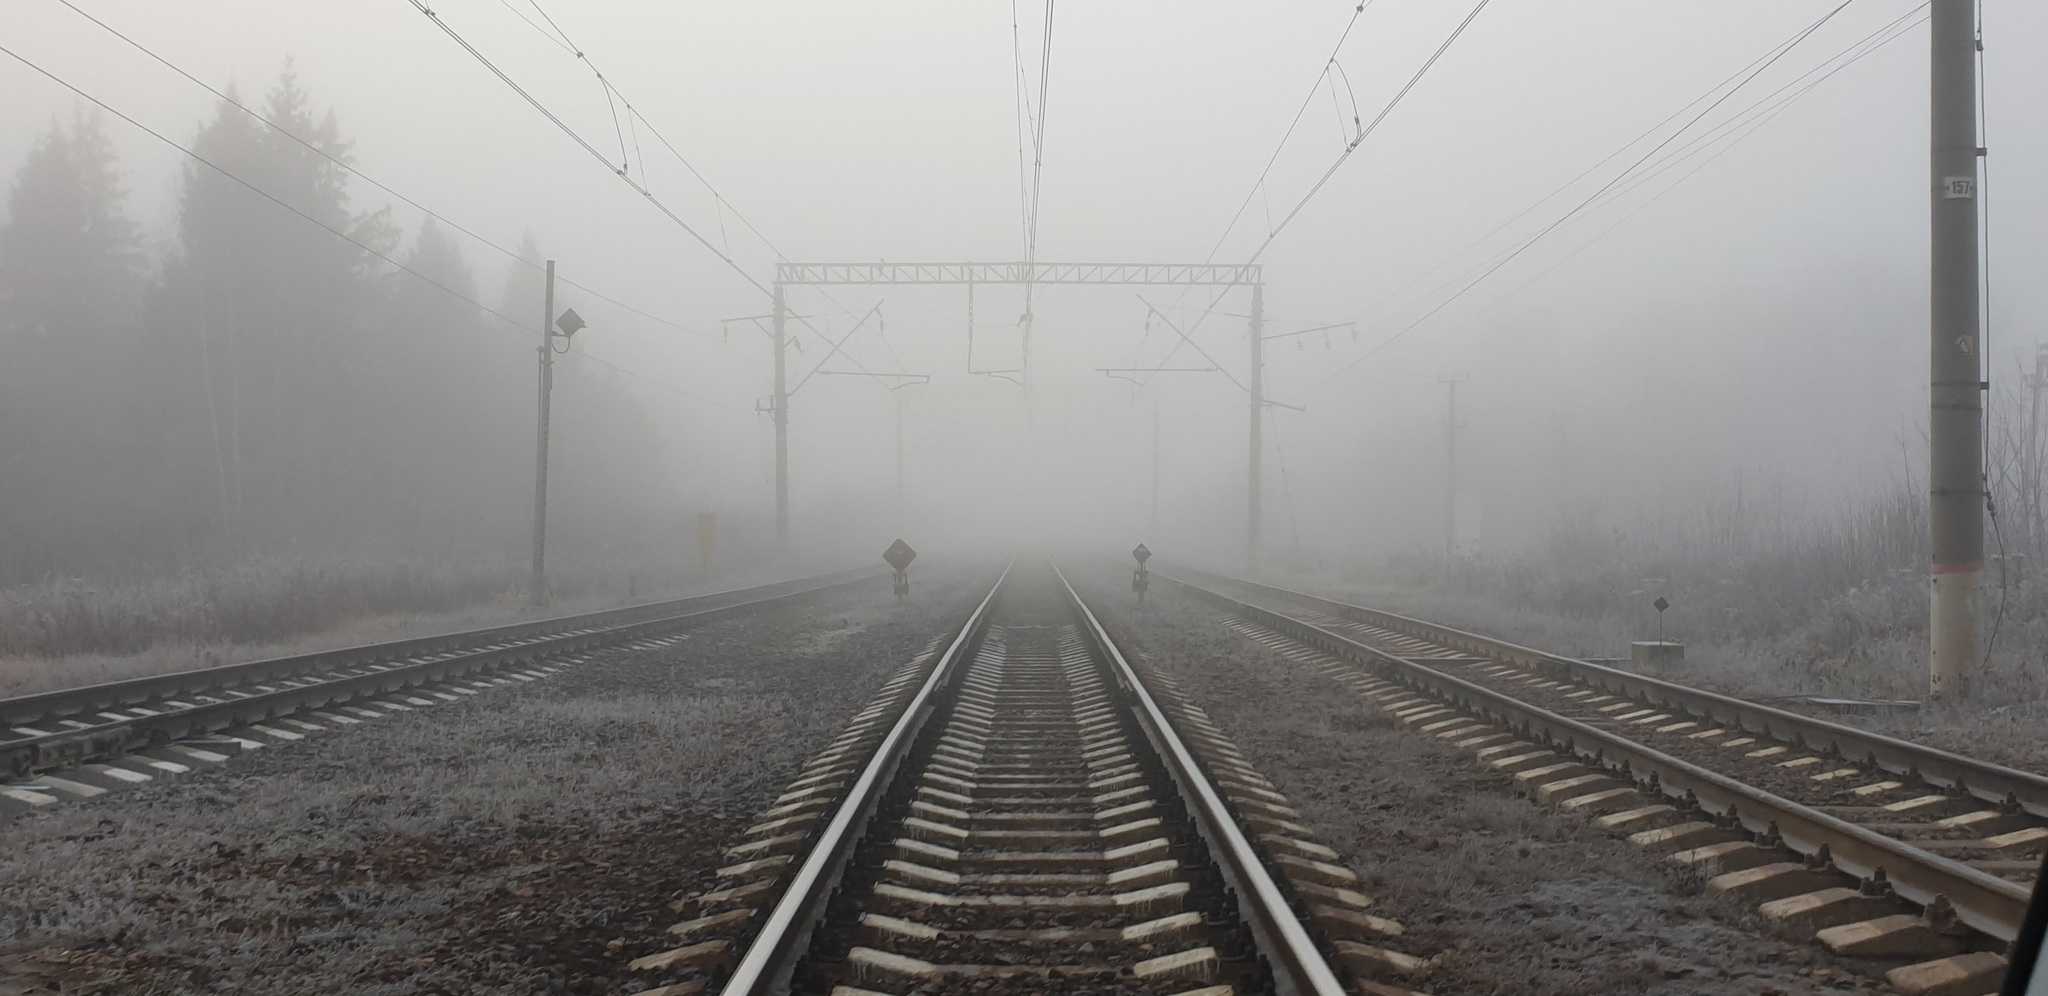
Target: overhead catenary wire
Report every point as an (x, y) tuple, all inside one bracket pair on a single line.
[(1258, 188), (577, 137), (719, 202), (1377, 120), (638, 186), (1037, 181), (1742, 124), (1588, 171), (1764, 108), (634, 113), (1292, 123), (1349, 149), (330, 229), (1026, 120), (1576, 211), (1750, 129)]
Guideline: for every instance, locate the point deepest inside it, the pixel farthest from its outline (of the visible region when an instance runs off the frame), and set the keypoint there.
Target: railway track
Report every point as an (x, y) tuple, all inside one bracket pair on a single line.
[(1030, 811), (1883, 848), (83, 742)]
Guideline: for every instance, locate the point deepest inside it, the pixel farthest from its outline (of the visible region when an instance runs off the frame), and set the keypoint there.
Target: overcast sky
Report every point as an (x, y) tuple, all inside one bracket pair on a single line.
[(1763, 315)]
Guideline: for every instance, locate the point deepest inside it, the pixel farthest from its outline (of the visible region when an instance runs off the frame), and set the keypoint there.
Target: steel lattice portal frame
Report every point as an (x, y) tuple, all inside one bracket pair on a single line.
[(1250, 275), (1183, 274)]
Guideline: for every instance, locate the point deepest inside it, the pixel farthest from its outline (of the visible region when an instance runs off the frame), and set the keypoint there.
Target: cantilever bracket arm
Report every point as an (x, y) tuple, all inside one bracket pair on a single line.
[(835, 348), (1320, 328), (1156, 313)]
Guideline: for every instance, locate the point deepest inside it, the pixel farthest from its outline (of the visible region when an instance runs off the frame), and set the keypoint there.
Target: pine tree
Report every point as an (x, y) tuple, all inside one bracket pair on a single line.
[(277, 309), (69, 286)]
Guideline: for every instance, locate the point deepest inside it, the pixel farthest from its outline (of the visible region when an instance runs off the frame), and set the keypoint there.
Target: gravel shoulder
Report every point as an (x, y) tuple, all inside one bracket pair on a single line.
[(1518, 898), (529, 840)]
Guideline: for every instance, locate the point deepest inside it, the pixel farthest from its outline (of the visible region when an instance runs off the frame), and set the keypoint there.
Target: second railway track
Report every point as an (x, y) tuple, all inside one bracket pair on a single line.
[(1886, 849), (82, 742)]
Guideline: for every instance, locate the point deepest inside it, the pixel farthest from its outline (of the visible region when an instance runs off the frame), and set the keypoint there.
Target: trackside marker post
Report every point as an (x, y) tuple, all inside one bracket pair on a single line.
[(899, 555)]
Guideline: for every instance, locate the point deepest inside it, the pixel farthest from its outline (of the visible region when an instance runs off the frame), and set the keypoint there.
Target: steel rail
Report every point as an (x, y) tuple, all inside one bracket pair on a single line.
[(324, 678), (1985, 780), (1299, 968), (1984, 902), (771, 957)]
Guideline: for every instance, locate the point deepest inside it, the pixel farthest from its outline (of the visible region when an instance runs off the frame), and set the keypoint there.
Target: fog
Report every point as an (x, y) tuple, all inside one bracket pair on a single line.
[(243, 384)]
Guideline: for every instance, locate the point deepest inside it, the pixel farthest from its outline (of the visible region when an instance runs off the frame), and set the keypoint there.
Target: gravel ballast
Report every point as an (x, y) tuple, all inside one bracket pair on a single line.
[(529, 840), (1517, 898)]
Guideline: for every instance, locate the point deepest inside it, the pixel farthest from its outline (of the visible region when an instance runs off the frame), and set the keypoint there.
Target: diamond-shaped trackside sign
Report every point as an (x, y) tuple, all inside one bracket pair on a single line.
[(1661, 604), (899, 555), (1141, 553)]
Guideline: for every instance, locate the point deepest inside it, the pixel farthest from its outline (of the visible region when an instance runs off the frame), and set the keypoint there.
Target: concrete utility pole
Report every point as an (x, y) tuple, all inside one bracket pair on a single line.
[(566, 326), (1451, 428), (1955, 465), (781, 413), (899, 458), (1258, 440), (1152, 521), (536, 590), (2030, 467)]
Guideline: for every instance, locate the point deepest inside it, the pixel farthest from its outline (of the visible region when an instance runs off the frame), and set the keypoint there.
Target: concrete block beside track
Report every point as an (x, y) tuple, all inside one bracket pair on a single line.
[(1901, 935), (1827, 908), (1962, 975)]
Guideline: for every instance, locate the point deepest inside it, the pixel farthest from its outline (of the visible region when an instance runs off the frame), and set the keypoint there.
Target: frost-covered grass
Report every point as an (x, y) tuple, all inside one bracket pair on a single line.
[(1766, 608), (69, 632), (247, 603), (479, 846)]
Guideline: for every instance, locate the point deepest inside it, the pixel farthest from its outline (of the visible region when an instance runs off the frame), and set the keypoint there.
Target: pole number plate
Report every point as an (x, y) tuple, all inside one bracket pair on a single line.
[(1959, 187)]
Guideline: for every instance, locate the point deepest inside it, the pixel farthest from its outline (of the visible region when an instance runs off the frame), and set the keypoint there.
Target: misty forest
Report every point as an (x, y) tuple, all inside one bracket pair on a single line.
[(285, 408), (260, 408)]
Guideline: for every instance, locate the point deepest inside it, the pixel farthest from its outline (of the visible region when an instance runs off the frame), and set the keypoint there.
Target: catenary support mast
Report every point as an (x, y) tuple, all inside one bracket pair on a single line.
[(1255, 478), (781, 414), (536, 589), (1955, 420)]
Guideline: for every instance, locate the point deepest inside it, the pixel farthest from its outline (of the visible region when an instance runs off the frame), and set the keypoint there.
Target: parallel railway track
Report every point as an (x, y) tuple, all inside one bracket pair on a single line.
[(84, 741), (1030, 811), (1887, 848)]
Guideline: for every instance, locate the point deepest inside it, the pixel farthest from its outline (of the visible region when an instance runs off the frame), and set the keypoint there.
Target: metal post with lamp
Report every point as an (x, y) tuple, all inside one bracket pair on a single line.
[(552, 327)]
